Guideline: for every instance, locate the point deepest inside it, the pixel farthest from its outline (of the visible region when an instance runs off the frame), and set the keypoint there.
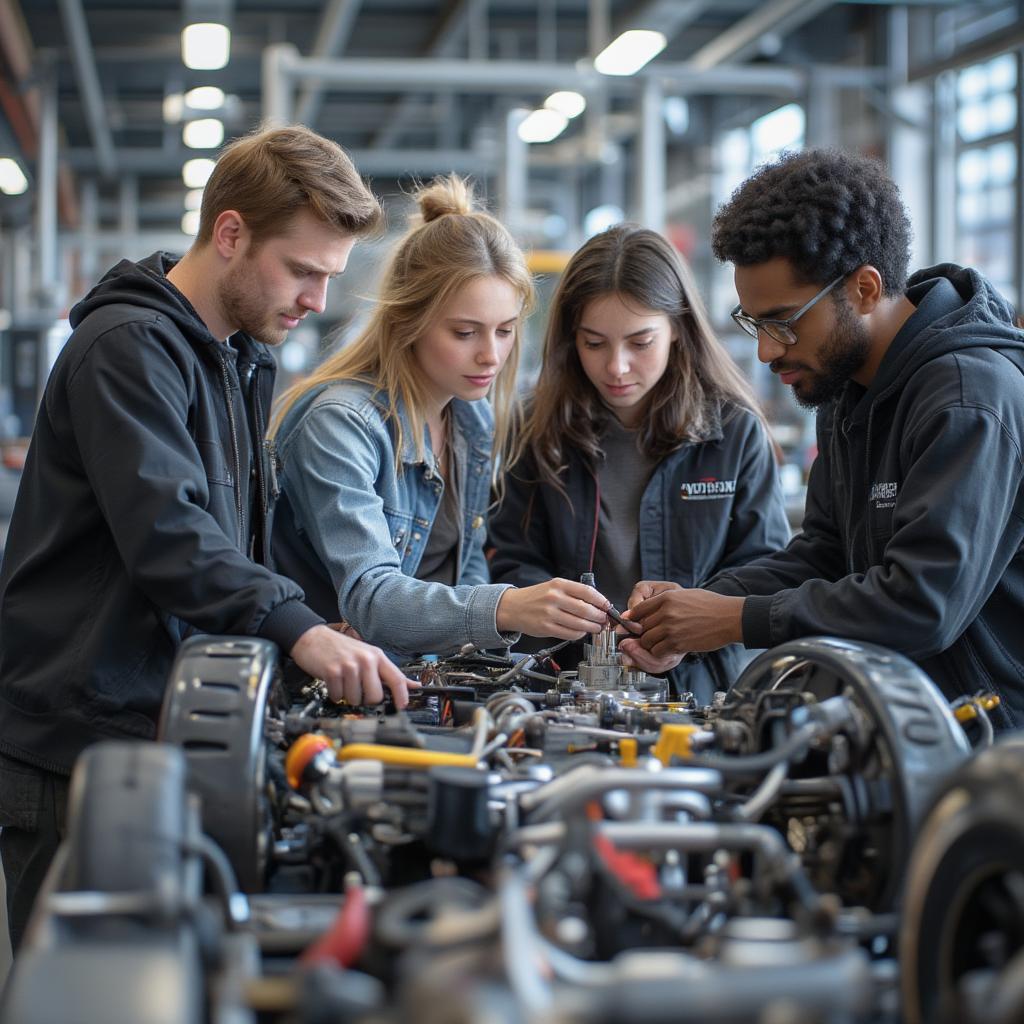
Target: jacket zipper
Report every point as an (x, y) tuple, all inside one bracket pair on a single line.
[(234, 450), (844, 447), (259, 453)]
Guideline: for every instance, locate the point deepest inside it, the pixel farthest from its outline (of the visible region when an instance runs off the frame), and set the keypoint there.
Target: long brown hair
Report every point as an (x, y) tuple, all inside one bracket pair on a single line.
[(450, 244), (566, 410)]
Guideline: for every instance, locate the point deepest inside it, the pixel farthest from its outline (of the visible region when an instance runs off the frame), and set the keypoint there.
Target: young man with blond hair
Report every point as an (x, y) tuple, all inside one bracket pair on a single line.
[(142, 515)]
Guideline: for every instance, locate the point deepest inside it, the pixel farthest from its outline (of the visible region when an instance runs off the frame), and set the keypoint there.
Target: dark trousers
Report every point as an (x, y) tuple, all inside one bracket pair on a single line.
[(33, 821)]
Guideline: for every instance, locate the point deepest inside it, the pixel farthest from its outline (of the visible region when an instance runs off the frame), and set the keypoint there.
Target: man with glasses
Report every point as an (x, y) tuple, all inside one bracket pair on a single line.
[(914, 524)]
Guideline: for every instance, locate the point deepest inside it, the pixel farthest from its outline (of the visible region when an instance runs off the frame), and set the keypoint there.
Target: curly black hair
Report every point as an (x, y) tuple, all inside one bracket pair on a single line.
[(826, 211)]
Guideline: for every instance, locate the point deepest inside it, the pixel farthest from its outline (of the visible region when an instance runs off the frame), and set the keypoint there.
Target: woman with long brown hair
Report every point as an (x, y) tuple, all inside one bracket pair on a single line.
[(643, 454)]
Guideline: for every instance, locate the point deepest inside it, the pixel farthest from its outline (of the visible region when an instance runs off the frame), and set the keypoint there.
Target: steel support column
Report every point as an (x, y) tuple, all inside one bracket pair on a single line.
[(278, 82), (649, 155), (88, 78), (47, 283), (515, 173)]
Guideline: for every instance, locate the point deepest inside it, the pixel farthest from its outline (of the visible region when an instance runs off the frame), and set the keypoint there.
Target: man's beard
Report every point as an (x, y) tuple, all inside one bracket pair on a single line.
[(246, 309), (842, 355)]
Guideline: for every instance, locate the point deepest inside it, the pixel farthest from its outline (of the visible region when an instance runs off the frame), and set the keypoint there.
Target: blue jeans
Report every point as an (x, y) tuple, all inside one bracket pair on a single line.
[(33, 821)]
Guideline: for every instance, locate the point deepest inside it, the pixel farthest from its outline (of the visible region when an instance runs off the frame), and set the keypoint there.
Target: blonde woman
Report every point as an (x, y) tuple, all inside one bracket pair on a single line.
[(386, 450)]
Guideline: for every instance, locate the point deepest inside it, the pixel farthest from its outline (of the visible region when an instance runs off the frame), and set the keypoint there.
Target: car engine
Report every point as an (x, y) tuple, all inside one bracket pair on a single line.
[(521, 844)]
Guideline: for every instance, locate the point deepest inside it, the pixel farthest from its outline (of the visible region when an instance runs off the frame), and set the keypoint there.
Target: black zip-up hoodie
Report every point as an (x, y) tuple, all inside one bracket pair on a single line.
[(913, 531), (135, 519)]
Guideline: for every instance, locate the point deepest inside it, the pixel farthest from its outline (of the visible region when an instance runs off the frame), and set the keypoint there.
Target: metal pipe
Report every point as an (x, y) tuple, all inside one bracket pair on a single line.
[(155, 161), (650, 157), (515, 173), (84, 62), (1018, 188), (278, 74), (576, 788), (775, 16), (89, 255), (128, 205), (467, 75), (46, 204), (335, 28)]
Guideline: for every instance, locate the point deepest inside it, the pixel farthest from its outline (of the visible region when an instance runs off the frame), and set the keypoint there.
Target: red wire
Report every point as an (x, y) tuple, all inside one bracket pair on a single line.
[(597, 514), (344, 941)]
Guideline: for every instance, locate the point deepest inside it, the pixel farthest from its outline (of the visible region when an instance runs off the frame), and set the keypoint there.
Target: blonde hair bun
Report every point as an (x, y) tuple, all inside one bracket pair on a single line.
[(444, 196)]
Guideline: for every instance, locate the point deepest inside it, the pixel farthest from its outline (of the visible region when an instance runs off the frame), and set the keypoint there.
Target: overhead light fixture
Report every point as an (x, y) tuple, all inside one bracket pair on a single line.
[(205, 45), (193, 199), (600, 218), (12, 178), (205, 97), (572, 104), (542, 125), (630, 52), (206, 133), (174, 107), (196, 173), (190, 222)]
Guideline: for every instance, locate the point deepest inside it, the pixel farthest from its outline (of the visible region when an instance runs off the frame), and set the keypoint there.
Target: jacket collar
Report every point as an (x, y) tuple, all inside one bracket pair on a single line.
[(465, 419)]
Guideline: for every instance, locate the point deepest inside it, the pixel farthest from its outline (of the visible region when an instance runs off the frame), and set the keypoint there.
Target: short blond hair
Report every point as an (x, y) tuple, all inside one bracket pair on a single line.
[(268, 176)]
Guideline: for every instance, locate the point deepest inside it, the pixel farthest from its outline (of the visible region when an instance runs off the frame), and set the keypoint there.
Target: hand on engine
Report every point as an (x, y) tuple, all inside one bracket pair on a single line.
[(354, 671), (678, 621), (560, 608)]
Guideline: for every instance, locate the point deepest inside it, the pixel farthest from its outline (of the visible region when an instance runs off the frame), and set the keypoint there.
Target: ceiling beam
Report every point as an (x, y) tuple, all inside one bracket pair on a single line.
[(669, 17), (450, 33), (331, 39), (164, 163), (88, 79), (20, 100), (384, 74), (740, 38)]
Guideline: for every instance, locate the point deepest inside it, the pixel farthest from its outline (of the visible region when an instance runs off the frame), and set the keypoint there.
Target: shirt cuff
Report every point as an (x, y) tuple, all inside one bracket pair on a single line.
[(287, 622), (756, 621), (483, 617)]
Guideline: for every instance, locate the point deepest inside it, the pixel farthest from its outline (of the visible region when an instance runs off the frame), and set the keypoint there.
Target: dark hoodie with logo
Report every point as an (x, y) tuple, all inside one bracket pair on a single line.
[(141, 518), (913, 531)]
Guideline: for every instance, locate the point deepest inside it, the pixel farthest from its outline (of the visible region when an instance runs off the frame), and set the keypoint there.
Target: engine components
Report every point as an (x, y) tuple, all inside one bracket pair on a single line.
[(525, 846)]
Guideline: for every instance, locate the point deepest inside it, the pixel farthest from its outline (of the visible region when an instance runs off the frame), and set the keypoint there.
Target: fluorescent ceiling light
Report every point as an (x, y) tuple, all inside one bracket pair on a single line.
[(190, 222), (542, 125), (630, 52), (205, 97), (196, 173), (572, 104), (174, 107), (601, 218), (12, 178), (206, 133), (205, 45), (193, 199)]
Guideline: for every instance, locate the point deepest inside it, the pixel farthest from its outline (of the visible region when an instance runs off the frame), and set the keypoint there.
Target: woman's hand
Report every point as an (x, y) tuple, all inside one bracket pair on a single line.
[(559, 608)]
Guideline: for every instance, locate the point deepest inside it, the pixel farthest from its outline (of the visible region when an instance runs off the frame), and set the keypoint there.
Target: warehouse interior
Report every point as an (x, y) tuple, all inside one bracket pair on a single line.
[(107, 137), (99, 130)]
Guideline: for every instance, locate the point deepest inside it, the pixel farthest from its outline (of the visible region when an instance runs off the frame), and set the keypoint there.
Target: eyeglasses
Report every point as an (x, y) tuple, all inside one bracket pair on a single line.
[(780, 330)]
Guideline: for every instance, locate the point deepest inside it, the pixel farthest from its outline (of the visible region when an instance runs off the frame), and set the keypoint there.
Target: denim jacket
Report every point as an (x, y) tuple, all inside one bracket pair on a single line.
[(352, 531)]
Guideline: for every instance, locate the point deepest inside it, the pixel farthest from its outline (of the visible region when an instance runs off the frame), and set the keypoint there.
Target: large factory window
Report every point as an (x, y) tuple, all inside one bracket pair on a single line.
[(986, 167), (740, 151)]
